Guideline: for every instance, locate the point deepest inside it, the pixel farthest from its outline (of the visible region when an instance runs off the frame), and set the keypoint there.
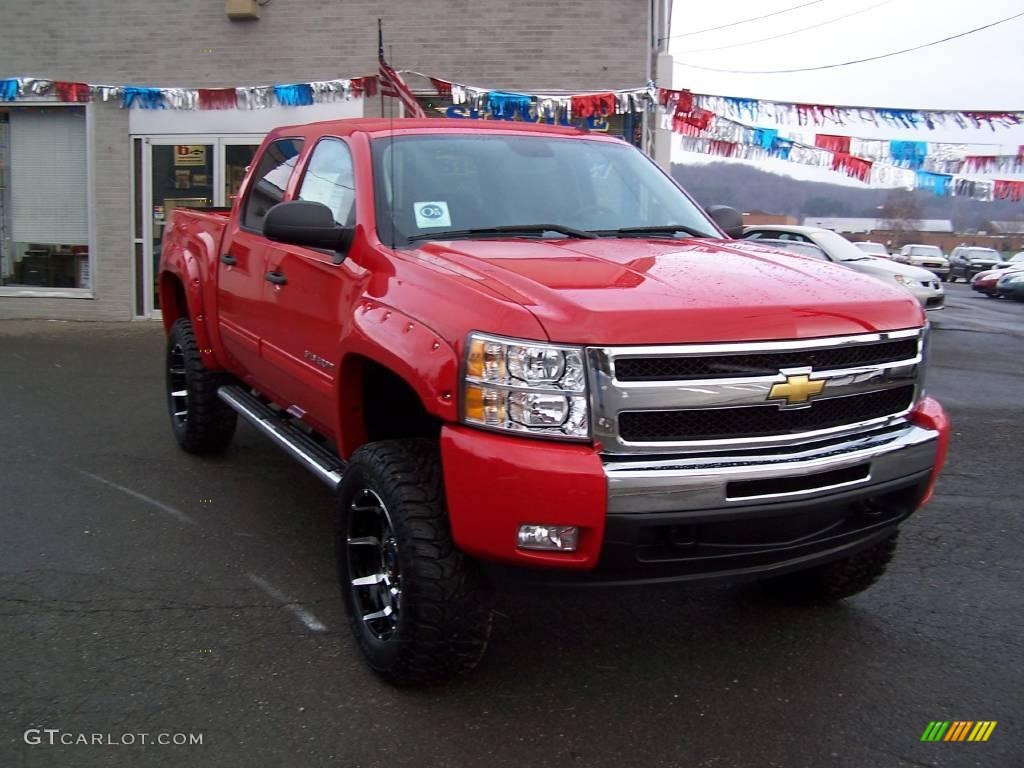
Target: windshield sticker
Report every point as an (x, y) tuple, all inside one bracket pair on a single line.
[(432, 214)]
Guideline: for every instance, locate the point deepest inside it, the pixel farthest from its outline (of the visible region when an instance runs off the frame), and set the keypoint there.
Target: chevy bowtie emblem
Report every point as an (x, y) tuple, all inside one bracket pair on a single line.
[(796, 389)]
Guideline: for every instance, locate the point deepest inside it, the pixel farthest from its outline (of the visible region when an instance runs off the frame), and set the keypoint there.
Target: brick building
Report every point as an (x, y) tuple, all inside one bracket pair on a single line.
[(85, 189)]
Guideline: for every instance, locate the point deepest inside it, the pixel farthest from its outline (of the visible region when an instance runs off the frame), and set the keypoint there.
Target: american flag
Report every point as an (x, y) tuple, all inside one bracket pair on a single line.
[(392, 84)]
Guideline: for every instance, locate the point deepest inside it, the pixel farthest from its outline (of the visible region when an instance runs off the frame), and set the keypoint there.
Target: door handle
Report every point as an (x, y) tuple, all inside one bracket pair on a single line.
[(227, 258), (277, 278)]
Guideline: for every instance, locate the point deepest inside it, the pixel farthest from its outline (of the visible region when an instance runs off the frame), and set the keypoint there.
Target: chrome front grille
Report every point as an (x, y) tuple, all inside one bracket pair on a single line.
[(710, 396), (760, 420), (661, 368)]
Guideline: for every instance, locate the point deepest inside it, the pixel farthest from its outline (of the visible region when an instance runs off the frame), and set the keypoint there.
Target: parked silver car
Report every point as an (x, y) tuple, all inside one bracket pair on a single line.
[(873, 249), (928, 256), (796, 246), (925, 286)]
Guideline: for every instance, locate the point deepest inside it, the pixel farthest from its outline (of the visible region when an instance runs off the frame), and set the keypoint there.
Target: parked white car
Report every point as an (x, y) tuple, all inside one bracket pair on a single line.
[(874, 249), (928, 256), (925, 286), (1015, 261)]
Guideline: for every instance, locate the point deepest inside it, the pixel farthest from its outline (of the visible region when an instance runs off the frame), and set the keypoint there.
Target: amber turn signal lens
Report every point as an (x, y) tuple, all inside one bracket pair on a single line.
[(475, 359), (474, 403)]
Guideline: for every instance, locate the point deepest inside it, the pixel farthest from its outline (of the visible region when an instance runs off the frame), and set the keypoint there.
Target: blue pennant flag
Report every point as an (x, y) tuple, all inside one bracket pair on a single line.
[(908, 154), (936, 183), (144, 98), (766, 137), (744, 107), (503, 104), (295, 95), (9, 89)]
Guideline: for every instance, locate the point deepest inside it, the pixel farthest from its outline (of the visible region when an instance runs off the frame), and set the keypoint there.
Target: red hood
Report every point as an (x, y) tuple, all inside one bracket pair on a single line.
[(635, 291)]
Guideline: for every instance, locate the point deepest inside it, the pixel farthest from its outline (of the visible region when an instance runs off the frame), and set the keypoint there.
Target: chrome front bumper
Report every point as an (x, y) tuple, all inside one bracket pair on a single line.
[(740, 479), (930, 296)]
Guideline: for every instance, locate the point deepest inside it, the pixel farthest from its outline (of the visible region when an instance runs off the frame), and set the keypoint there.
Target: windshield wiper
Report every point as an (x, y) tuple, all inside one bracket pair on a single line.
[(664, 229), (516, 229)]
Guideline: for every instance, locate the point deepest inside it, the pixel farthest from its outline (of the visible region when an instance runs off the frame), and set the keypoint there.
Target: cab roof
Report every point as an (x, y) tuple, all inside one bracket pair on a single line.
[(383, 125)]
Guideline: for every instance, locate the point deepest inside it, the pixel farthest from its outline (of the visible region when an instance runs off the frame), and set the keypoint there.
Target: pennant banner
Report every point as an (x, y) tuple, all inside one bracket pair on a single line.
[(939, 168), (553, 106), (560, 106), (824, 115), (144, 97)]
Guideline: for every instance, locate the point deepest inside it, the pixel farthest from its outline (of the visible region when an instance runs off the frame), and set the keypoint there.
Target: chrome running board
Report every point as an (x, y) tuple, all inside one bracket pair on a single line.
[(300, 446)]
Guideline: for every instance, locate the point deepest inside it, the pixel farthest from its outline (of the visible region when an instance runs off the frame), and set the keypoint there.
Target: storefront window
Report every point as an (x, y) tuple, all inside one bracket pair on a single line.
[(44, 221)]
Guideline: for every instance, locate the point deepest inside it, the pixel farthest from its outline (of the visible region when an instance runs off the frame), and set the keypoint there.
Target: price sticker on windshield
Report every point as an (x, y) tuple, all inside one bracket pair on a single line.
[(432, 214)]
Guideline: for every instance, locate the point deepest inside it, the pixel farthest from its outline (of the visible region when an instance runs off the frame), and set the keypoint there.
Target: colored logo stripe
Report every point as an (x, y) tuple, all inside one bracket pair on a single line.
[(958, 730), (935, 730), (982, 730)]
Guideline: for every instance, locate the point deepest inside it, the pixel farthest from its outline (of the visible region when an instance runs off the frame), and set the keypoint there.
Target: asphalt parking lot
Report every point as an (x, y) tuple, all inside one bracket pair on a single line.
[(143, 590)]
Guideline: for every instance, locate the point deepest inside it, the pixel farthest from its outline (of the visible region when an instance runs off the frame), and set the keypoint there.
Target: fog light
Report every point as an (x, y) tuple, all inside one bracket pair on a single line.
[(562, 538)]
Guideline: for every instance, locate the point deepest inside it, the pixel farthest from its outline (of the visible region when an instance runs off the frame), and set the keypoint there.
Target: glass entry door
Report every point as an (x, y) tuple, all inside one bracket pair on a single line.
[(182, 176), (236, 157), (184, 172)]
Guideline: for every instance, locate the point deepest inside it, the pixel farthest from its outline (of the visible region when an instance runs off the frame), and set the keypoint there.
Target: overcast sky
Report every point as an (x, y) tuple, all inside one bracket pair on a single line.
[(983, 71)]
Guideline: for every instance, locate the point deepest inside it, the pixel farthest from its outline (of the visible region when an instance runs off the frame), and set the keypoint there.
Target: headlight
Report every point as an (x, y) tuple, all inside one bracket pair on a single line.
[(1014, 278), (902, 279), (525, 387)]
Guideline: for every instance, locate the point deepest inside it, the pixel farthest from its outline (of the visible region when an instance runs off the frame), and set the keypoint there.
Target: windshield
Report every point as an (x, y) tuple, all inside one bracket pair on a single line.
[(837, 246), (804, 249), (983, 253), (872, 247), (926, 250), (431, 184)]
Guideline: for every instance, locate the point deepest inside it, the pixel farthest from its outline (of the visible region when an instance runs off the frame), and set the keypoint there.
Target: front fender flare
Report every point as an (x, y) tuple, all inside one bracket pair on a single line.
[(410, 350)]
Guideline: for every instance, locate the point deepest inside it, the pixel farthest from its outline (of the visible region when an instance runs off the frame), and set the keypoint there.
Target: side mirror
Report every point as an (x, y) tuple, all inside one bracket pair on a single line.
[(304, 222), (728, 219)]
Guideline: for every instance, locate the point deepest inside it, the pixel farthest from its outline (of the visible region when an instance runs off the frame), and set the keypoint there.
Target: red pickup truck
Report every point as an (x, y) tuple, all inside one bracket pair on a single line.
[(524, 350)]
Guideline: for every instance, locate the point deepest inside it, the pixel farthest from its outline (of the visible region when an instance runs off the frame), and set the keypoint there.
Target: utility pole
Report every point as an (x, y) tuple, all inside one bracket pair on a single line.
[(658, 140)]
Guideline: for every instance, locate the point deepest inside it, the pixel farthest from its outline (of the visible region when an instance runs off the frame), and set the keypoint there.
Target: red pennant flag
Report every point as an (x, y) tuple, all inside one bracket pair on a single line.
[(217, 98), (76, 92), (833, 143), (443, 87)]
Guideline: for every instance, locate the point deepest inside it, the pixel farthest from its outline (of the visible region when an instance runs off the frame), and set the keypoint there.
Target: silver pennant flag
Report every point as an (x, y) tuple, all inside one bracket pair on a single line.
[(180, 98), (256, 97), (35, 87)]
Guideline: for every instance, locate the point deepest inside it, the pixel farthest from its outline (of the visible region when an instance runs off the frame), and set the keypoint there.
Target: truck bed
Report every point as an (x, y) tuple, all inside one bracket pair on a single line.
[(186, 223)]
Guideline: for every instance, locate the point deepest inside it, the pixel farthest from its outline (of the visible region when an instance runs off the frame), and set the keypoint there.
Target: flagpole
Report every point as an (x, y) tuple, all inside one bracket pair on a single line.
[(380, 58)]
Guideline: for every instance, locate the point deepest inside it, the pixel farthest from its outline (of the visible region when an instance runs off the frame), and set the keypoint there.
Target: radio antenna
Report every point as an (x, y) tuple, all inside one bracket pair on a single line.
[(391, 127)]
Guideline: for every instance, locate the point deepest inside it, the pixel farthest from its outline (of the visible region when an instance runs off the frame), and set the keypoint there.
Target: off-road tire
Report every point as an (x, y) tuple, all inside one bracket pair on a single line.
[(833, 581), (208, 424), (444, 615)]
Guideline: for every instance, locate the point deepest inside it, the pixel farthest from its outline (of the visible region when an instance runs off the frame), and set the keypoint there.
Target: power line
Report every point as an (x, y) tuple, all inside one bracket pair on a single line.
[(743, 21), (855, 61), (791, 32)]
